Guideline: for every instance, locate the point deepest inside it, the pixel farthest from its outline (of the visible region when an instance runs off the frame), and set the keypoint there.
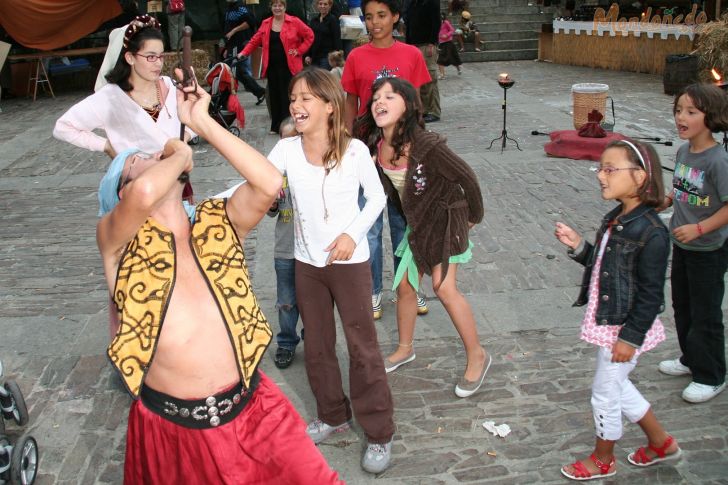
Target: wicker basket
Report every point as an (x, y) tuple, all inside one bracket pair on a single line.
[(588, 97)]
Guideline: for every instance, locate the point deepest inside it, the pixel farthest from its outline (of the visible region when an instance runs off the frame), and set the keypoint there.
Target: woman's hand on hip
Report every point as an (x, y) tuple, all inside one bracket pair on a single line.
[(341, 249), (109, 150)]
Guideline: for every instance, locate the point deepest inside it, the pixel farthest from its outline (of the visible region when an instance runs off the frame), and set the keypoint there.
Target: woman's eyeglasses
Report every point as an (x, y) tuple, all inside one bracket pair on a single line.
[(152, 57)]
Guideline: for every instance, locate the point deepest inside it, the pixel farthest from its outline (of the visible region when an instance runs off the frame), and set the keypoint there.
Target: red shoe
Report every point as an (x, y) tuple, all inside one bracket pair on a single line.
[(581, 473), (640, 458)]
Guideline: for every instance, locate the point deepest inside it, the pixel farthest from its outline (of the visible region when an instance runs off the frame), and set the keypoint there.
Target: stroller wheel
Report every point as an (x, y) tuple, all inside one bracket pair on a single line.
[(24, 463), (235, 131), (195, 140), (18, 411), (5, 453)]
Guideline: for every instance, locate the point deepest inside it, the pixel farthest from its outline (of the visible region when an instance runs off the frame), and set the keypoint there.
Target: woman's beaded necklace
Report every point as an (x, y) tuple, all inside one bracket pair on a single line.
[(154, 109)]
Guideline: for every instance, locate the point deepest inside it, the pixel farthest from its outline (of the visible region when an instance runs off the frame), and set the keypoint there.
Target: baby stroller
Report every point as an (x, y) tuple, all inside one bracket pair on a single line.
[(224, 105), (19, 463)]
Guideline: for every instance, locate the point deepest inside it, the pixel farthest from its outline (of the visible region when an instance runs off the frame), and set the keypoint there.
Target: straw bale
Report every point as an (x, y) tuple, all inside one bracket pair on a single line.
[(361, 40), (200, 64), (712, 49)]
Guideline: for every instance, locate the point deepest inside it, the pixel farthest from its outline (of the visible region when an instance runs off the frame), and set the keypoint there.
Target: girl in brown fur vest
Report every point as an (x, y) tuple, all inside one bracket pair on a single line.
[(439, 196)]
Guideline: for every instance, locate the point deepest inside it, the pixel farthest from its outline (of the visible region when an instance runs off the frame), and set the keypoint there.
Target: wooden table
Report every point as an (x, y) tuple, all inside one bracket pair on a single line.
[(41, 75)]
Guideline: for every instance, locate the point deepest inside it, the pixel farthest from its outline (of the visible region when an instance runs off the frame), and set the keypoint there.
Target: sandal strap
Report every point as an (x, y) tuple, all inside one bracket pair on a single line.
[(661, 451), (580, 470), (603, 467), (640, 456)]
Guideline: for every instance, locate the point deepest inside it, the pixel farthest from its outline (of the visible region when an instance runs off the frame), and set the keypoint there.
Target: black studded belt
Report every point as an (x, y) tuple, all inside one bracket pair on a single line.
[(209, 412)]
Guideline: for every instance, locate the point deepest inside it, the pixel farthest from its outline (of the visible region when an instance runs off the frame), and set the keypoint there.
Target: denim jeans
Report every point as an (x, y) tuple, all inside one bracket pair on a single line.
[(286, 303), (698, 286), (397, 226), (323, 63)]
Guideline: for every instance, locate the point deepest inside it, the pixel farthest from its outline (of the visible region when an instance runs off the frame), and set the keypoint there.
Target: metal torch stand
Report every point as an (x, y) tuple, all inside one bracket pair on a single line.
[(504, 134)]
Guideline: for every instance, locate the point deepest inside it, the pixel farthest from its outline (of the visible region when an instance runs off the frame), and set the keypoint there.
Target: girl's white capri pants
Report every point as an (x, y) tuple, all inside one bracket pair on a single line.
[(613, 395)]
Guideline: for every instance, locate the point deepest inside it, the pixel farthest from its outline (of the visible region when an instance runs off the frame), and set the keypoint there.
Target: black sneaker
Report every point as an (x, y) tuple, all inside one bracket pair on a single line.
[(261, 99), (284, 357)]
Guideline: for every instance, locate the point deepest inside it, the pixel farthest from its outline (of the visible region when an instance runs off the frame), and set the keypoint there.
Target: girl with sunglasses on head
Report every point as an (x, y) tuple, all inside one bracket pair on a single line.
[(137, 108), (623, 287)]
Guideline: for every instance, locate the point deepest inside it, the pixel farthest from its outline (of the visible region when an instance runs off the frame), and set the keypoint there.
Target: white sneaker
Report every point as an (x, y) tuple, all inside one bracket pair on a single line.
[(377, 458), (674, 368), (697, 393), (377, 306), (318, 431)]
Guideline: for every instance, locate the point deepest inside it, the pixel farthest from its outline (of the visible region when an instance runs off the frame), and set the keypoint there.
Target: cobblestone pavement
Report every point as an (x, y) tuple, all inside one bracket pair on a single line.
[(53, 325)]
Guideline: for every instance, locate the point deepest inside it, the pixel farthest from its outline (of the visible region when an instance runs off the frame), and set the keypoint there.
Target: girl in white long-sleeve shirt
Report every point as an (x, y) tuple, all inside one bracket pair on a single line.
[(325, 169)]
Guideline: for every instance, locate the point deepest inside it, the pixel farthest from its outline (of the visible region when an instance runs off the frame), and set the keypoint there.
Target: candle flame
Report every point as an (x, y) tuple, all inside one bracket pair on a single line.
[(716, 75)]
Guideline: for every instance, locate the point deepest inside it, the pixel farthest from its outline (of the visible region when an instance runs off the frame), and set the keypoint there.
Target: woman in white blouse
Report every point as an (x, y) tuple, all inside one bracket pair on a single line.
[(137, 108)]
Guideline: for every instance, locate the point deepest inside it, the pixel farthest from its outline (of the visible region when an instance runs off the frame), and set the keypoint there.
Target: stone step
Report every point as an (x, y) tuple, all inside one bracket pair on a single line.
[(503, 45), (510, 35), (504, 55), (488, 15), (509, 28), (495, 4), (486, 27)]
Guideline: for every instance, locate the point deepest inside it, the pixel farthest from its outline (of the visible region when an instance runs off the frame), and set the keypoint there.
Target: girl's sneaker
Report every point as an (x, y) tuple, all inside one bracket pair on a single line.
[(377, 457), (421, 304), (318, 431), (697, 393), (377, 306), (674, 368)]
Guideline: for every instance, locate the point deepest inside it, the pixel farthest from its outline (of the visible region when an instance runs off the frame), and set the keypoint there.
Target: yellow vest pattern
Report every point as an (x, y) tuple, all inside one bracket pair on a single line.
[(145, 281)]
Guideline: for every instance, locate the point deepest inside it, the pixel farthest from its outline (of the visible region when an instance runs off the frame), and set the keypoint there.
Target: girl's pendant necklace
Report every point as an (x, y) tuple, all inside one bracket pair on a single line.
[(323, 182)]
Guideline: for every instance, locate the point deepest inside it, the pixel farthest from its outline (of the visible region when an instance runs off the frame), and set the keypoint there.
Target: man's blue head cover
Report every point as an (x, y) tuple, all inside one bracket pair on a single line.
[(108, 196)]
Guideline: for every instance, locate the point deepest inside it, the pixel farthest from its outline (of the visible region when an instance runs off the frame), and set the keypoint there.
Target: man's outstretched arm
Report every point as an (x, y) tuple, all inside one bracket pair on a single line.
[(250, 202)]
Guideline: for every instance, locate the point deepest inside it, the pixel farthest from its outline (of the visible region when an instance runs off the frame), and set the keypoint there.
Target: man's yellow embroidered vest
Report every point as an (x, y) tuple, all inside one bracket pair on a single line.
[(144, 284)]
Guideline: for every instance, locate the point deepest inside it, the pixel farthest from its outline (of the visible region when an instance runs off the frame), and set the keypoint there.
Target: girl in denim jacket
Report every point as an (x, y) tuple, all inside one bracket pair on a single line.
[(623, 290)]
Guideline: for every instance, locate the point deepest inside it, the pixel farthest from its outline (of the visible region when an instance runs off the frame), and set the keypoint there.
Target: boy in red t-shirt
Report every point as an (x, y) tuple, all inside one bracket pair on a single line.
[(382, 57)]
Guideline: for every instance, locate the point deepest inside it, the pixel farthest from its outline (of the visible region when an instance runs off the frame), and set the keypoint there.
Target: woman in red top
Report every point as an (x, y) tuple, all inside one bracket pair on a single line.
[(285, 40)]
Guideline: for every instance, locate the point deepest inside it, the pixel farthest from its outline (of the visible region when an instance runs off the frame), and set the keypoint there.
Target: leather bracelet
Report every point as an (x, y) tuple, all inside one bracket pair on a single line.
[(700, 229)]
